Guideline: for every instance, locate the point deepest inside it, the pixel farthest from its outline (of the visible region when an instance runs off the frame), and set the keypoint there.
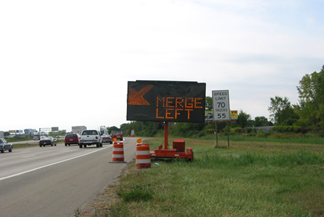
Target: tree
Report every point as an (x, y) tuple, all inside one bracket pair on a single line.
[(281, 111), (311, 95), (113, 128), (261, 121), (125, 127), (243, 119), (209, 103), (142, 128), (187, 129)]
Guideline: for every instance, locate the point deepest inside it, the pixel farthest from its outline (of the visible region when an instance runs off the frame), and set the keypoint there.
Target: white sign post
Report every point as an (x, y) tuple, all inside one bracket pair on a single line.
[(221, 109)]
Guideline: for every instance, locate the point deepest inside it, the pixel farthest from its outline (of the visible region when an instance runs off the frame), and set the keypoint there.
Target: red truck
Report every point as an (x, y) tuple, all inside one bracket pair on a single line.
[(117, 134)]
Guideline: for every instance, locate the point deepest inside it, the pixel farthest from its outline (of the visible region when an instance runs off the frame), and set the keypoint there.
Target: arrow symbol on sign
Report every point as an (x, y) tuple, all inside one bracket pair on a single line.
[(137, 97)]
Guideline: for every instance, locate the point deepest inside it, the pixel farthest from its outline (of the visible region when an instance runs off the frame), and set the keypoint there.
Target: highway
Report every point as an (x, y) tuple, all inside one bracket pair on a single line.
[(56, 181)]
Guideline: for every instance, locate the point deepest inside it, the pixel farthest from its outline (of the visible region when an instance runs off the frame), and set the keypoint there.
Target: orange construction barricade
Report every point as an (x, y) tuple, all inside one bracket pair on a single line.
[(143, 158), (118, 152)]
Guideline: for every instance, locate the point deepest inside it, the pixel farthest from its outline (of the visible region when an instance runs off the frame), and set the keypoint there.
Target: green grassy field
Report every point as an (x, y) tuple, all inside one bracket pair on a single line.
[(251, 178)]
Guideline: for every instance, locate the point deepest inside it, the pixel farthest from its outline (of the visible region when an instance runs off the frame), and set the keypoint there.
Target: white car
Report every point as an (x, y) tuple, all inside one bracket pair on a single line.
[(90, 137)]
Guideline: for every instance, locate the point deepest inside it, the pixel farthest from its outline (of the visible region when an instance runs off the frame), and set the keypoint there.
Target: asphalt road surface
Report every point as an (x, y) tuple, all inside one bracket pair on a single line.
[(56, 181)]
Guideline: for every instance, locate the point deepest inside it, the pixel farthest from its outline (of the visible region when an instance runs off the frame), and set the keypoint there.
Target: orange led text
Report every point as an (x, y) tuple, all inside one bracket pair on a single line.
[(173, 107)]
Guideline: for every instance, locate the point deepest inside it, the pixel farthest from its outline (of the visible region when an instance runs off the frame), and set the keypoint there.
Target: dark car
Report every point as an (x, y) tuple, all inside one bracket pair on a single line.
[(47, 140), (209, 116), (71, 138), (4, 145), (117, 134), (106, 139)]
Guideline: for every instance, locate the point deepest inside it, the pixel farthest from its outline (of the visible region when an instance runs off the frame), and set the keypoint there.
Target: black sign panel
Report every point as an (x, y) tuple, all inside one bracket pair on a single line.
[(172, 101)]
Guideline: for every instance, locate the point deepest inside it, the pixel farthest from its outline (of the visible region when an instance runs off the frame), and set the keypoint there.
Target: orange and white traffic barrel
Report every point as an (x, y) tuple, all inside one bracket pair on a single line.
[(143, 158), (118, 152)]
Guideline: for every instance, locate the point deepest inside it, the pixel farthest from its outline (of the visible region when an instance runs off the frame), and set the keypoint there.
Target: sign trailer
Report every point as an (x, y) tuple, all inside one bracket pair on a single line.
[(168, 101)]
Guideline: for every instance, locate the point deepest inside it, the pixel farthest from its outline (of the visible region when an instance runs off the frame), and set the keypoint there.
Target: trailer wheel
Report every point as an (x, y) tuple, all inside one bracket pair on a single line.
[(80, 146), (190, 159)]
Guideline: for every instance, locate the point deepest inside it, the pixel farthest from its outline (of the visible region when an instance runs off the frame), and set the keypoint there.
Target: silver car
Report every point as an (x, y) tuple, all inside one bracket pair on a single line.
[(4, 145), (47, 140)]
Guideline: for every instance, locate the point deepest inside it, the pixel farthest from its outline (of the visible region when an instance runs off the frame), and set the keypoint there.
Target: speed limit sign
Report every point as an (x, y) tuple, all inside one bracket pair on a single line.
[(221, 105)]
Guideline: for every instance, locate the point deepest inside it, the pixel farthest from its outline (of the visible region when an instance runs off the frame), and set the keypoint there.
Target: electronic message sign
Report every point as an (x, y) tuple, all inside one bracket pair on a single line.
[(172, 101)]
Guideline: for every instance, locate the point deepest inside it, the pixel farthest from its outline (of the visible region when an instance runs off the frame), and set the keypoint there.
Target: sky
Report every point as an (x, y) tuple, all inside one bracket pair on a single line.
[(66, 63)]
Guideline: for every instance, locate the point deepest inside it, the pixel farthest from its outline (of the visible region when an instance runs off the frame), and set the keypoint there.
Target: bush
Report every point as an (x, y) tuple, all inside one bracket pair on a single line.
[(287, 129), (250, 130), (201, 134), (262, 134), (210, 131)]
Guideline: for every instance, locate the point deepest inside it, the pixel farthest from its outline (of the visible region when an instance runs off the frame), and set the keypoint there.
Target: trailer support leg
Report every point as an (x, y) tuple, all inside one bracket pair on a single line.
[(166, 129)]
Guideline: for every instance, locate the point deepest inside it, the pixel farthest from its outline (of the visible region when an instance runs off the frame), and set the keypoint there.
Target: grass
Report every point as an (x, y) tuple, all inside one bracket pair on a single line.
[(23, 145), (251, 178), (276, 137), (247, 179), (19, 138)]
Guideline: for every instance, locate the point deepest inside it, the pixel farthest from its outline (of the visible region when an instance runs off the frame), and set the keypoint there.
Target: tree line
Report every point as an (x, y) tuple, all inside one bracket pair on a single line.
[(306, 116)]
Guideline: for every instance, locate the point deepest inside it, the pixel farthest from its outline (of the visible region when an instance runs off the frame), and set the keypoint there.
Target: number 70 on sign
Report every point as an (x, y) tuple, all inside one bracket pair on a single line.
[(221, 107)]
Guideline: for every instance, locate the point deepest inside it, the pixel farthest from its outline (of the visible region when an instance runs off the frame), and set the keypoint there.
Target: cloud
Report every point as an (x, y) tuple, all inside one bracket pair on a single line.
[(67, 63)]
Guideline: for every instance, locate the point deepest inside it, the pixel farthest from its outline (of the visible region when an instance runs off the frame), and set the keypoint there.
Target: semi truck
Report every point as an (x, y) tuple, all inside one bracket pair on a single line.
[(78, 129), (106, 138), (38, 135)]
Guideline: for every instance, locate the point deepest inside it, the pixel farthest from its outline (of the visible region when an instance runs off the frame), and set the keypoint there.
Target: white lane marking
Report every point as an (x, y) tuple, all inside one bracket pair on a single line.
[(48, 165)]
